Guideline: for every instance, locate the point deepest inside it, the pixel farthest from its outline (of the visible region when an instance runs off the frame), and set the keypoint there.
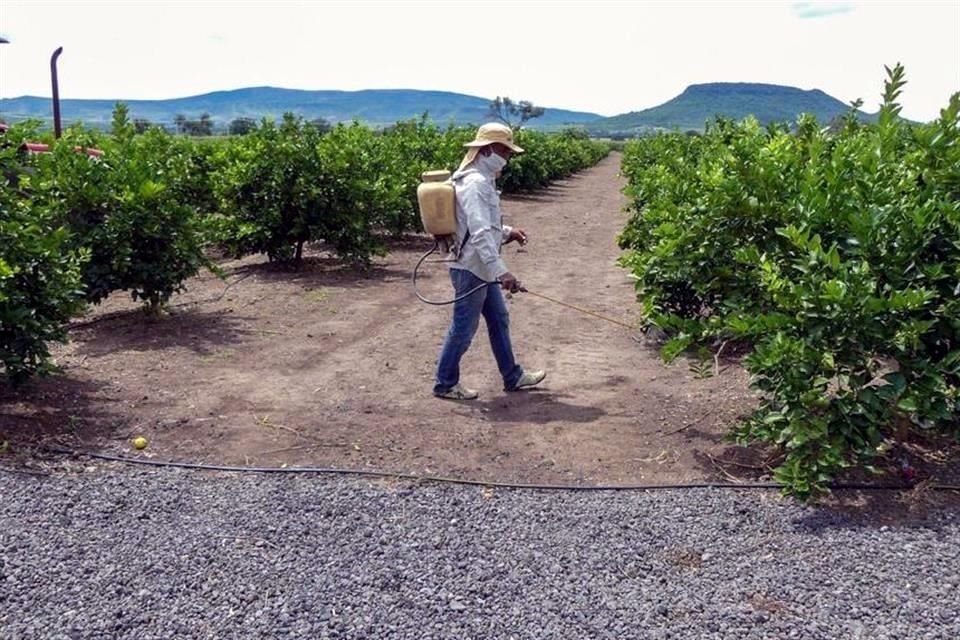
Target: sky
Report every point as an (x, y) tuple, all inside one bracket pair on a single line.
[(605, 57)]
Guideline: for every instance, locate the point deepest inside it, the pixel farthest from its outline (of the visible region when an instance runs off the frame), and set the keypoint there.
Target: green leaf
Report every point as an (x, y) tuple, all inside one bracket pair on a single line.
[(5, 269), (897, 382), (828, 362), (907, 404), (674, 347)]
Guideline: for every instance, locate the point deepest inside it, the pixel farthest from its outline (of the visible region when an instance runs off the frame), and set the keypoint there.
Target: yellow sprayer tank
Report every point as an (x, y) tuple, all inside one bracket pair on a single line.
[(438, 209)]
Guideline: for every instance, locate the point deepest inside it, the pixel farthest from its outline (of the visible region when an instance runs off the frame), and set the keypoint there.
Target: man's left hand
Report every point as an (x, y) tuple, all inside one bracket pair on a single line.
[(517, 234)]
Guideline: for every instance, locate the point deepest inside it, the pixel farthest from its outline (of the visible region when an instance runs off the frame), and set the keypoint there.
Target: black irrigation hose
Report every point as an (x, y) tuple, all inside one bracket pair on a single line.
[(477, 483)]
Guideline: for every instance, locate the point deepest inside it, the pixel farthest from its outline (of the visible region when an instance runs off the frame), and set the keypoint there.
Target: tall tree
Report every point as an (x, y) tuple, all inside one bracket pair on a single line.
[(120, 125), (205, 125), (241, 126), (321, 125), (514, 114)]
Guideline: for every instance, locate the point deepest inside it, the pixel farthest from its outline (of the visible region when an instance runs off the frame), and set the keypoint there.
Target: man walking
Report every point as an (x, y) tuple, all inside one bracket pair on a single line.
[(480, 236)]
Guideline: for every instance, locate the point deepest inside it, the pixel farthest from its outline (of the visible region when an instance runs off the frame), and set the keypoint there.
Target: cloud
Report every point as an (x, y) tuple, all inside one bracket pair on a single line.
[(805, 10)]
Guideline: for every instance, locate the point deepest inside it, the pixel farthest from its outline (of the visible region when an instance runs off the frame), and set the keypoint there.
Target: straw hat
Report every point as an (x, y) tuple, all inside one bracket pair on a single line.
[(488, 134)]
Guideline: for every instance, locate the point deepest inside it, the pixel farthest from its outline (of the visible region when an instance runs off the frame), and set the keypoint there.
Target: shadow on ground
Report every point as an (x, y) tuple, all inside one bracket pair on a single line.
[(202, 332), (539, 407), (904, 492), (54, 410)]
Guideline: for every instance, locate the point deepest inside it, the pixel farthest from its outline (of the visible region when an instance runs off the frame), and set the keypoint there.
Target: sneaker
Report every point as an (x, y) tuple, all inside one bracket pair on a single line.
[(529, 379), (457, 392)]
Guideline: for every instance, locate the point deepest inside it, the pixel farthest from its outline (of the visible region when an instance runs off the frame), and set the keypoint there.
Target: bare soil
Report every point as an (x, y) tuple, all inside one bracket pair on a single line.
[(333, 366)]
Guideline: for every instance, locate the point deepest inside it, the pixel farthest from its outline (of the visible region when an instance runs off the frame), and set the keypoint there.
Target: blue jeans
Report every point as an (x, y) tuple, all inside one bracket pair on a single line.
[(488, 302)]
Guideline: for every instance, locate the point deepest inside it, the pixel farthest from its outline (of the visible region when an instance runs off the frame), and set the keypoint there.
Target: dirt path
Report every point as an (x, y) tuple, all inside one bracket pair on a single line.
[(328, 366)]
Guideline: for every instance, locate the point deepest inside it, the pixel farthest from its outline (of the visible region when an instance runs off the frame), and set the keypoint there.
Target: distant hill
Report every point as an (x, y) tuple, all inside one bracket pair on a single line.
[(375, 107), (700, 103)]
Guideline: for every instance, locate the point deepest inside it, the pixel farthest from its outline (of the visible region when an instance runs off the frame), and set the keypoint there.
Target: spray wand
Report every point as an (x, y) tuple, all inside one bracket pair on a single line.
[(521, 289)]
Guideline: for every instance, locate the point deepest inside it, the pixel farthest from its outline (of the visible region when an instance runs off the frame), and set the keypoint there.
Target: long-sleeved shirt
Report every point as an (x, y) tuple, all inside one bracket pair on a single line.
[(478, 212)]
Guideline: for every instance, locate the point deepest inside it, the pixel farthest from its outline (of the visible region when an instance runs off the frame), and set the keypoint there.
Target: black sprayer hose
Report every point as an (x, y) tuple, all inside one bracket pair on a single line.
[(523, 289), (478, 483), (436, 245)]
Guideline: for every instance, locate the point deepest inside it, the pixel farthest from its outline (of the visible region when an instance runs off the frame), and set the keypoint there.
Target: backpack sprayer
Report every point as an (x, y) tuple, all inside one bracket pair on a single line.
[(438, 213), (436, 198)]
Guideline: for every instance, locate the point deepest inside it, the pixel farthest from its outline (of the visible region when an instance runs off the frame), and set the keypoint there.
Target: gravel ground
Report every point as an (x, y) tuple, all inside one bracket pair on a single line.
[(164, 553)]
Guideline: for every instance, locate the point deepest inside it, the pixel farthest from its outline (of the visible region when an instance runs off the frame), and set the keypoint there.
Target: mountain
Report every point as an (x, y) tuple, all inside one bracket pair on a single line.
[(374, 107), (699, 103)]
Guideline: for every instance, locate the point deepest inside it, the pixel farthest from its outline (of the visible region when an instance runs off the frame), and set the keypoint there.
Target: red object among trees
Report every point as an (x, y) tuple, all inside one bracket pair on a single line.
[(39, 147)]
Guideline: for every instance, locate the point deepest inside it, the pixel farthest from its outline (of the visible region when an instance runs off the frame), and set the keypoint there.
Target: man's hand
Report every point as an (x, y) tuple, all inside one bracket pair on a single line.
[(509, 282), (517, 234)]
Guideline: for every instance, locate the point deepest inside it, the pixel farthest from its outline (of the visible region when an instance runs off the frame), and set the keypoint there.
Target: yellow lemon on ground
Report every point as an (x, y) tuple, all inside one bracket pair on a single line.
[(140, 442)]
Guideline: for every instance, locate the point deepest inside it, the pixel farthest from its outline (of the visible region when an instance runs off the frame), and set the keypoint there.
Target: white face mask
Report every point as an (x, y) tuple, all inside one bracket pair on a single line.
[(493, 163)]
